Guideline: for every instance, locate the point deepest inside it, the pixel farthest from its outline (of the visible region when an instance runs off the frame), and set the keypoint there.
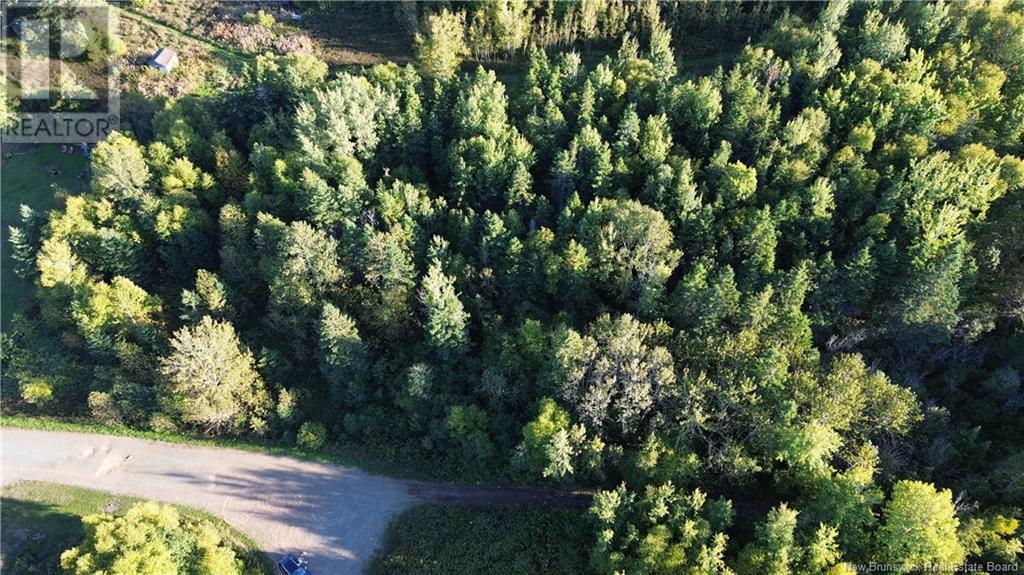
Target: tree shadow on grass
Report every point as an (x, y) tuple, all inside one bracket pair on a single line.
[(34, 535)]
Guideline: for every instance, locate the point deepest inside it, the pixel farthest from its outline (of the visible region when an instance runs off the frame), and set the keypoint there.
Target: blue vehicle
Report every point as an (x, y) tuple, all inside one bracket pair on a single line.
[(292, 565)]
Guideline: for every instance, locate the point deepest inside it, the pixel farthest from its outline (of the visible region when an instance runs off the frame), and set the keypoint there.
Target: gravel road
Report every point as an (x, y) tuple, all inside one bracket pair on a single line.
[(336, 514)]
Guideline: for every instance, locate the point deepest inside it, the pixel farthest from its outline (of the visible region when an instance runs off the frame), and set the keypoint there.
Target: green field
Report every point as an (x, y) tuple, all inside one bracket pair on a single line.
[(38, 521), (438, 539), (25, 180)]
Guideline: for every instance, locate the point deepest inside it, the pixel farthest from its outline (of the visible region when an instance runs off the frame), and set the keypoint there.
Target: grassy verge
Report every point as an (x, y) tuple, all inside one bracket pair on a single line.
[(27, 180), (48, 424), (505, 540), (40, 520), (384, 462)]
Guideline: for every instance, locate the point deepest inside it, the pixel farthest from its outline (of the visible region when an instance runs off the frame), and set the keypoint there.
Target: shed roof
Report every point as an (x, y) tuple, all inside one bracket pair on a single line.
[(164, 56)]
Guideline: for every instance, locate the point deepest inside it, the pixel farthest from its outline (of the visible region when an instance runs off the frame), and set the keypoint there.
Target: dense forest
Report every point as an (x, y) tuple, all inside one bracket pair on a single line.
[(773, 313)]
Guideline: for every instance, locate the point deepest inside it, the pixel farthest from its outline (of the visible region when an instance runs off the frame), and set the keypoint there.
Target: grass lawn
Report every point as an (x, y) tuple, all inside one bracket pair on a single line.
[(501, 540), (25, 180), (38, 521)]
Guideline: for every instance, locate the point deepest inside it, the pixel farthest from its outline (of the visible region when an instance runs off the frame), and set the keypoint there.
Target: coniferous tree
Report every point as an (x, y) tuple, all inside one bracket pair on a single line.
[(342, 356), (445, 324)]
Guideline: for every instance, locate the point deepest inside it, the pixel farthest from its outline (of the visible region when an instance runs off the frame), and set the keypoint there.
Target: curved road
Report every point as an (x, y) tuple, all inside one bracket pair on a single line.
[(336, 514)]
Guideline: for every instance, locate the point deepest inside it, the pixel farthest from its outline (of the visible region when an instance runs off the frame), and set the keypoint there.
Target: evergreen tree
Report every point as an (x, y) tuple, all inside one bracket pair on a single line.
[(343, 356), (445, 319), (305, 267), (25, 242)]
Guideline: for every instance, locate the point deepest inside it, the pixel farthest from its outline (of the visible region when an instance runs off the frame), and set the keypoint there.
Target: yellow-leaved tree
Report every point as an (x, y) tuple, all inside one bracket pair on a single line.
[(150, 539)]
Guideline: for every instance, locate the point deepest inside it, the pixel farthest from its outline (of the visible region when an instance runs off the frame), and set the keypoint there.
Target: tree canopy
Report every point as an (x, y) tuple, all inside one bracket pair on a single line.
[(769, 308), (150, 539)]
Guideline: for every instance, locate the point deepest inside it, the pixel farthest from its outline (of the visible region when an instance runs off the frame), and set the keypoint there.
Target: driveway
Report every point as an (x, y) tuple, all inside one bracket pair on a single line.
[(336, 514)]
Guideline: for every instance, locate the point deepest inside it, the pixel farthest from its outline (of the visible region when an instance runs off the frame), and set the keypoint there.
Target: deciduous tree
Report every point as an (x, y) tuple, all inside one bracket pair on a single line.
[(213, 379)]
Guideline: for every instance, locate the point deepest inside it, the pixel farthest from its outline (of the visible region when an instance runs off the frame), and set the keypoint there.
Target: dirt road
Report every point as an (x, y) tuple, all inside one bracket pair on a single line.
[(336, 514)]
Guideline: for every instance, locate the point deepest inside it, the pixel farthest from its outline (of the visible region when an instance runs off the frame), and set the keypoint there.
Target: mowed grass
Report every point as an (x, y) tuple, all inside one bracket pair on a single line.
[(437, 539), (25, 180), (38, 521)]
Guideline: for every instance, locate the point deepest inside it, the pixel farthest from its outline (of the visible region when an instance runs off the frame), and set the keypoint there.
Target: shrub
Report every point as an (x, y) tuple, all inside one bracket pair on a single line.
[(293, 43), (134, 402), (494, 540), (116, 46), (262, 18), (251, 38), (103, 410), (259, 426), (150, 539), (312, 436), (162, 423), (36, 391), (286, 409)]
